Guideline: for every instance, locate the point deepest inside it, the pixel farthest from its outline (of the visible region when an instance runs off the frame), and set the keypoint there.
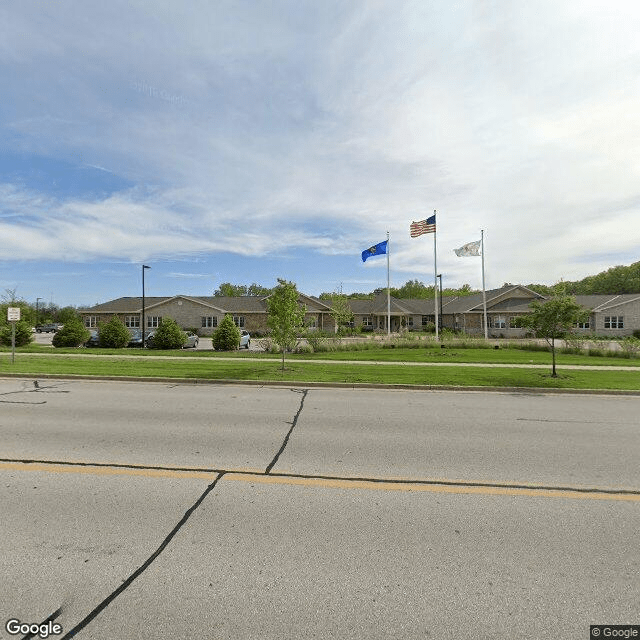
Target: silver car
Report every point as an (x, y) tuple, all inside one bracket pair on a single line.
[(191, 342)]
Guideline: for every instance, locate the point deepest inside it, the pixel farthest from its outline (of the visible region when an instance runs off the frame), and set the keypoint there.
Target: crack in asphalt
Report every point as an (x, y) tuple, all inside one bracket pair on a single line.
[(304, 393), (145, 565)]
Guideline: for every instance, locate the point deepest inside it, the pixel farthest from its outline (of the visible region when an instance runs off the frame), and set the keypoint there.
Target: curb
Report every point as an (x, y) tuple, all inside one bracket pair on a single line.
[(327, 385)]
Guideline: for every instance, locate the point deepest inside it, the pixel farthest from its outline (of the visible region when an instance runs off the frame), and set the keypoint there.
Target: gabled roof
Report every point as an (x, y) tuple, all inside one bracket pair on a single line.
[(220, 304), (606, 302)]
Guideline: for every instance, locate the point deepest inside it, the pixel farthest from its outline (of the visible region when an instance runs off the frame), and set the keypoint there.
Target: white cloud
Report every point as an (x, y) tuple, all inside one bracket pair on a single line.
[(320, 126)]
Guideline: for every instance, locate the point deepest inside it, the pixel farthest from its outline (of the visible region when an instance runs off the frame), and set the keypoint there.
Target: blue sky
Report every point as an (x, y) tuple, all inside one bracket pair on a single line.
[(246, 141)]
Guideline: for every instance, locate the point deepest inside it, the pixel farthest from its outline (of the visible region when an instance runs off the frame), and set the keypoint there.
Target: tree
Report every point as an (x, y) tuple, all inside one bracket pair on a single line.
[(114, 334), (23, 335), (168, 336), (285, 316), (73, 334), (227, 336), (553, 320), (229, 290), (67, 314), (341, 312)]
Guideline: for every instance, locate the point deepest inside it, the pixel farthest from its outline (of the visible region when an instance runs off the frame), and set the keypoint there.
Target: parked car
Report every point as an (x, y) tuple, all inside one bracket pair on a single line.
[(48, 328), (148, 338), (136, 338), (191, 341), (93, 340), (245, 339)]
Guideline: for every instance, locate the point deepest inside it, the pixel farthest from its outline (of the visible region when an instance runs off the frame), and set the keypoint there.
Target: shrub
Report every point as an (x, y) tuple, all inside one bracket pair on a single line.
[(168, 335), (316, 339), (304, 348), (227, 336), (113, 334), (24, 336), (73, 334), (630, 346)]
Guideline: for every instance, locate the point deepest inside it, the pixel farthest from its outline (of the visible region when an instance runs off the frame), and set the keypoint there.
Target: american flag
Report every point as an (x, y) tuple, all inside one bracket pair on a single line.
[(424, 226)]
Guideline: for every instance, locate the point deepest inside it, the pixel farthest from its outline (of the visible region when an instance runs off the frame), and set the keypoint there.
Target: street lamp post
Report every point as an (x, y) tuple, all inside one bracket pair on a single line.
[(144, 266), (37, 301), (440, 320)]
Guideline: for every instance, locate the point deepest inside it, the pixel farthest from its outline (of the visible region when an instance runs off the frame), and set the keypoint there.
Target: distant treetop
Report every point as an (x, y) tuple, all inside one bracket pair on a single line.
[(228, 290)]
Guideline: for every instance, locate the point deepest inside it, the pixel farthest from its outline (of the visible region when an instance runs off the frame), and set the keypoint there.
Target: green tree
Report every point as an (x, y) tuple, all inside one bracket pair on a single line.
[(341, 313), (168, 335), (24, 335), (227, 336), (73, 334), (66, 314), (553, 320), (113, 334), (285, 316)]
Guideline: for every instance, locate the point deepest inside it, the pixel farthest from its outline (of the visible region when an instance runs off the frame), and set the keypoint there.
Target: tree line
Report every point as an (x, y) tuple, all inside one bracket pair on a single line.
[(614, 281)]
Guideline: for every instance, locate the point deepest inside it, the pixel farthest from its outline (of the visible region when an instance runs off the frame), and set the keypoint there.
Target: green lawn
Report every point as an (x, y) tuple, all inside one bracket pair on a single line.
[(210, 366)]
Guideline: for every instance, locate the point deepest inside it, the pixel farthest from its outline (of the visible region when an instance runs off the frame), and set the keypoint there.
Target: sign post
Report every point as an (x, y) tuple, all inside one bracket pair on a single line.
[(13, 316)]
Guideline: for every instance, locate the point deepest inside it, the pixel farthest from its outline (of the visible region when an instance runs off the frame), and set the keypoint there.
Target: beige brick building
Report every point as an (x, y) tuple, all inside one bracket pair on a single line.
[(610, 315)]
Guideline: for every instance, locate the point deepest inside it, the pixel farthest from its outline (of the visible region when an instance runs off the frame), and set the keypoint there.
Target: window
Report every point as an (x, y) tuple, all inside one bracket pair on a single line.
[(312, 322), (427, 320), (153, 322), (239, 321), (583, 325), (614, 322), (209, 321), (132, 322), (91, 322), (367, 321), (500, 322)]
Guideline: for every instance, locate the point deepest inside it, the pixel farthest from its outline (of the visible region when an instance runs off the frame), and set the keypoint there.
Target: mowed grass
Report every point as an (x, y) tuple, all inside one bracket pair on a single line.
[(431, 353), (268, 369)]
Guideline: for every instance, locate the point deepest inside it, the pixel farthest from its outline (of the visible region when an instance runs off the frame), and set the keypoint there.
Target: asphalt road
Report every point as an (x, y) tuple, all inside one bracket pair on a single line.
[(201, 511)]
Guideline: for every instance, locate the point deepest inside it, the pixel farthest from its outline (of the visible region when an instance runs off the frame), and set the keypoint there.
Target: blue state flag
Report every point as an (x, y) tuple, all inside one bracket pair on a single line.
[(376, 250)]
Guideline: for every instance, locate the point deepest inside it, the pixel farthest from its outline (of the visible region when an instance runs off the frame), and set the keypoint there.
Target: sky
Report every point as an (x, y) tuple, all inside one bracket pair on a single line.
[(245, 141)]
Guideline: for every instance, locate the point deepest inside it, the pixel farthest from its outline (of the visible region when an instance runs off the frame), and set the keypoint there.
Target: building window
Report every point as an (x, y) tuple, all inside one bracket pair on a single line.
[(500, 322), (312, 322), (239, 321), (614, 322), (583, 325), (153, 322), (367, 321), (209, 321), (427, 320), (91, 322), (132, 322)]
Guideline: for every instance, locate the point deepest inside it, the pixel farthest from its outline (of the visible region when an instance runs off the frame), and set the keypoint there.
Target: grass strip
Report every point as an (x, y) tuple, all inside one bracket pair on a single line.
[(450, 354), (268, 370)]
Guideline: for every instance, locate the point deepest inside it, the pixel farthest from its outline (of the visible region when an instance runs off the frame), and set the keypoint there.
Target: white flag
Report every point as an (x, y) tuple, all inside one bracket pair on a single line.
[(469, 249)]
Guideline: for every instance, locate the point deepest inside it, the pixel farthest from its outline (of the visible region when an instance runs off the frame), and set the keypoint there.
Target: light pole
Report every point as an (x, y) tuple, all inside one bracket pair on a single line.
[(440, 320), (144, 266), (37, 301)]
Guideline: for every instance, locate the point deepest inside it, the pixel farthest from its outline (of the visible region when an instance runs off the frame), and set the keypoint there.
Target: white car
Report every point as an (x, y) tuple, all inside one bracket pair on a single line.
[(245, 339)]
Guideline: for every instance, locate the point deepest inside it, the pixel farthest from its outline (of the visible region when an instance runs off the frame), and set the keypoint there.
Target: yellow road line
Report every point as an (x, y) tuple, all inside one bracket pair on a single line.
[(105, 471), (331, 483)]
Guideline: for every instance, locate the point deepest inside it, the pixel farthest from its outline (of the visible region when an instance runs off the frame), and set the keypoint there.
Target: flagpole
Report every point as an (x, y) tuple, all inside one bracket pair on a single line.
[(435, 276), (484, 293), (388, 290)]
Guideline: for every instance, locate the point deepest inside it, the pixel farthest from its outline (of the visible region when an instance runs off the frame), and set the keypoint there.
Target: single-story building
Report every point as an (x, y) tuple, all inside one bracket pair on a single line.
[(202, 313), (609, 315)]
